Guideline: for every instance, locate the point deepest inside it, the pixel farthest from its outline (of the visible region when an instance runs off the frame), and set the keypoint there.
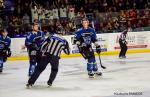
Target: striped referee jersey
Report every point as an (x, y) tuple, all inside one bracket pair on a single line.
[(54, 45), (123, 37)]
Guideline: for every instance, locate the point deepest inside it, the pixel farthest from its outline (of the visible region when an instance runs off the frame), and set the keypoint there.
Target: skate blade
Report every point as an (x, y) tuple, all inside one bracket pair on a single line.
[(28, 86), (49, 86), (98, 75), (91, 76)]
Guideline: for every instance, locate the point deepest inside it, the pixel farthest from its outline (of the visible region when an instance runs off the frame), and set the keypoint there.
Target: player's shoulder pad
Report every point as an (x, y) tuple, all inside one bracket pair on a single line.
[(8, 37), (80, 29), (41, 31), (91, 29), (29, 33)]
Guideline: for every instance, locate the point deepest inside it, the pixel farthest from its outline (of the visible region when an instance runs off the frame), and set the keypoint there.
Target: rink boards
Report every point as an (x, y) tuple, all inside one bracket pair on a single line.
[(138, 42)]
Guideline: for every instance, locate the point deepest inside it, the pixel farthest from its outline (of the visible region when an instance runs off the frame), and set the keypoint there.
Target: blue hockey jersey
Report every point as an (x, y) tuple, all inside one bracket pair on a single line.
[(7, 41), (37, 38), (86, 36)]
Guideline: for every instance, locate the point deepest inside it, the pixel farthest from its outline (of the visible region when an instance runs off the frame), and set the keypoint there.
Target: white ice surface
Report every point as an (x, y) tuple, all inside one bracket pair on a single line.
[(121, 76)]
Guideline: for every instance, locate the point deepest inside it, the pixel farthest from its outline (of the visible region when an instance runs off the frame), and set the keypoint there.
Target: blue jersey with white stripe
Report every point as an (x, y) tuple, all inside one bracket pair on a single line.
[(6, 40), (31, 37), (86, 36)]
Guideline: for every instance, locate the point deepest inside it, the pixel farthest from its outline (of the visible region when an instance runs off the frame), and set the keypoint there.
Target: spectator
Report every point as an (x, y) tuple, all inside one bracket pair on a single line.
[(71, 12), (25, 8), (1, 4), (40, 10), (63, 13), (147, 13), (117, 4), (102, 17), (81, 13), (50, 14), (141, 4), (114, 13), (132, 14), (102, 28), (117, 14), (122, 4), (133, 17), (34, 14), (122, 17), (55, 13), (34, 11), (26, 19), (105, 5), (1, 22), (42, 15), (110, 2), (140, 24), (129, 26), (122, 26), (6, 21), (72, 26), (116, 24), (11, 30), (109, 27), (17, 10), (148, 23), (26, 22), (108, 16)]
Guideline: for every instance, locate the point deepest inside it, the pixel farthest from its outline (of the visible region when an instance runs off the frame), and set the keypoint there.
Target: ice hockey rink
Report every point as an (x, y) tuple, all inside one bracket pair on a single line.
[(121, 78)]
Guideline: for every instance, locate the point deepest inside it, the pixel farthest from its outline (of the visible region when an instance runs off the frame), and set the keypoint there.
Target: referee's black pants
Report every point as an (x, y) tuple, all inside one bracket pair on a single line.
[(45, 60), (123, 50)]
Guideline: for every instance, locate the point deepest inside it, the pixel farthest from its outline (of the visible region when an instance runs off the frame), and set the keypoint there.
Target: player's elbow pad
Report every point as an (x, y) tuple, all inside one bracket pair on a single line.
[(96, 44)]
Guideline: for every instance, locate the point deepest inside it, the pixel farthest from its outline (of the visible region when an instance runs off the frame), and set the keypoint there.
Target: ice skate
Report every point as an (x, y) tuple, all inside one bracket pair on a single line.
[(91, 75), (97, 73), (28, 86), (49, 84), (1, 70)]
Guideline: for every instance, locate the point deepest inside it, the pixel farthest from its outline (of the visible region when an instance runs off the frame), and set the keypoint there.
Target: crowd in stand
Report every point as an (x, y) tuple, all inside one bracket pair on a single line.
[(105, 15)]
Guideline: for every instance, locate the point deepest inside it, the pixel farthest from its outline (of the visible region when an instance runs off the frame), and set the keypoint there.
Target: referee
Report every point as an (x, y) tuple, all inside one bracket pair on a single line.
[(50, 53), (123, 44)]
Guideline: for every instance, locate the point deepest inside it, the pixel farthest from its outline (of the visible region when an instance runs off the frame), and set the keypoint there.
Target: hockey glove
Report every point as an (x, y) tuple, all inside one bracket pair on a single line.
[(33, 46), (98, 49), (3, 42), (8, 53), (78, 43)]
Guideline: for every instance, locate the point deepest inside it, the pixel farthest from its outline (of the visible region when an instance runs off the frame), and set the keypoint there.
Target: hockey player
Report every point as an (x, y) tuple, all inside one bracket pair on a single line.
[(5, 51), (84, 38), (33, 43), (51, 50), (123, 44)]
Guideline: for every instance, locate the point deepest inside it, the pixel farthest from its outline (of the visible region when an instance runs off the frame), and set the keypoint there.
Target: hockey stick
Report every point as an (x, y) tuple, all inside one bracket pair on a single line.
[(100, 61)]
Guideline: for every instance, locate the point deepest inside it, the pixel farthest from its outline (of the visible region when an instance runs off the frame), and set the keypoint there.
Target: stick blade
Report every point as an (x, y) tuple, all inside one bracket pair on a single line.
[(103, 67)]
